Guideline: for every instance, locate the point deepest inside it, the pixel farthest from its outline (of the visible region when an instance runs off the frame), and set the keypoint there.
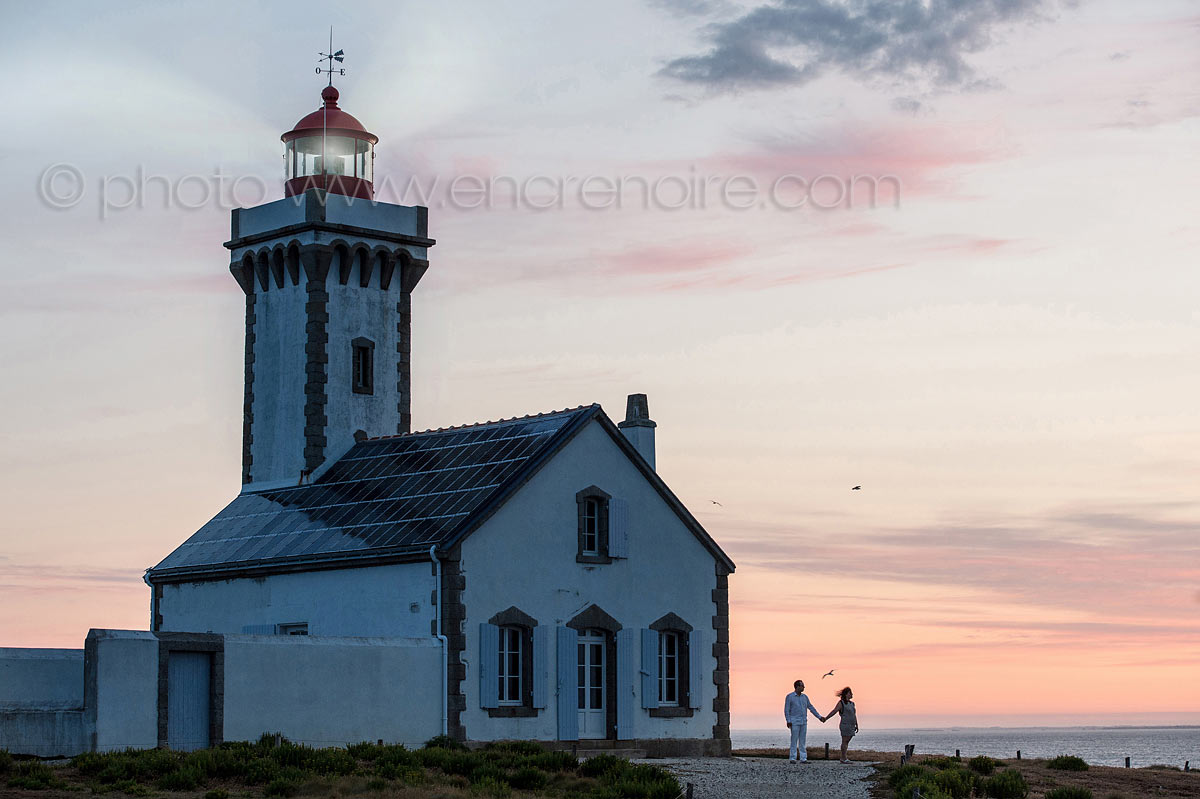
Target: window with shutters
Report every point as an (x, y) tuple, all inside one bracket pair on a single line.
[(668, 669), (593, 511), (513, 652), (512, 679), (671, 673)]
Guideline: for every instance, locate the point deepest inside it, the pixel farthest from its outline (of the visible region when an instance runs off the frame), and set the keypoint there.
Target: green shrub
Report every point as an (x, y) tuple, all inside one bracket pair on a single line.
[(396, 756), (640, 781), (602, 764), (32, 775), (88, 763), (905, 773), (217, 793), (486, 771), (1072, 792), (6, 761), (184, 778), (449, 761), (1068, 763), (444, 742), (377, 784), (1008, 784), (942, 762), (260, 770), (498, 789), (955, 781), (529, 779), (982, 764), (365, 751), (922, 784), (554, 761), (131, 788), (281, 786)]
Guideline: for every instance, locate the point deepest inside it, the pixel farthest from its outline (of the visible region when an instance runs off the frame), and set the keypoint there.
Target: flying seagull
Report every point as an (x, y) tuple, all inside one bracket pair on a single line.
[(857, 488), (718, 504), (827, 674)]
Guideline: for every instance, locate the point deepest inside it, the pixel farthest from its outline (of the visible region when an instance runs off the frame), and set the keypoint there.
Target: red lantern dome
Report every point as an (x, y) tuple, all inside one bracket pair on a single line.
[(330, 149)]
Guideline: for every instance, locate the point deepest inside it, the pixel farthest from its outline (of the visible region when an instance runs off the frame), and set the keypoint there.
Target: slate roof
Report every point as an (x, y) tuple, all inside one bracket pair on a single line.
[(389, 498)]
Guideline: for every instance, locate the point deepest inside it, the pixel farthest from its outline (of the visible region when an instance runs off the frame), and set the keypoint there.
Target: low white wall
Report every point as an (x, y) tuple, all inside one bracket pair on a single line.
[(45, 733), (332, 691), (41, 679), (121, 689)]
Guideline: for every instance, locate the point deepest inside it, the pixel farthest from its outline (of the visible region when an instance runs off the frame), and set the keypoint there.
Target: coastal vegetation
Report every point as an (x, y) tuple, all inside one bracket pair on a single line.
[(275, 767), (1063, 777)]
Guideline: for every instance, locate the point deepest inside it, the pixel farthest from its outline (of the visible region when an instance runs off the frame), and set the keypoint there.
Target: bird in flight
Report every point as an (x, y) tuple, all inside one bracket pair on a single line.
[(827, 674), (857, 488), (718, 504)]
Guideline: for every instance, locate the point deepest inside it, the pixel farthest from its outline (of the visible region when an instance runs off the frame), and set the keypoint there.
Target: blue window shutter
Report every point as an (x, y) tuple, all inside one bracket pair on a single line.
[(626, 684), (697, 660), (568, 684), (541, 665), (618, 528), (258, 629), (489, 665), (649, 668)]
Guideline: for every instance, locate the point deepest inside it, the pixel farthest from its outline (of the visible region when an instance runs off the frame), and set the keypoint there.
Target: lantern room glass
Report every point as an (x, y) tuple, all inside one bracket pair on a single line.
[(344, 155)]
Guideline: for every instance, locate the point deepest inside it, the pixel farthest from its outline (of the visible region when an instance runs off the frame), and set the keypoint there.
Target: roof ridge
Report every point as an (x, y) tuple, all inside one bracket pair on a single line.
[(452, 428)]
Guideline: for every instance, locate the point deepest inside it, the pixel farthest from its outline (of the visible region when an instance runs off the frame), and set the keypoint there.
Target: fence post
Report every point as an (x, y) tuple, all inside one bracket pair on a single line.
[(956, 754), (1018, 754), (827, 750), (690, 787), (1186, 763), (1126, 762)]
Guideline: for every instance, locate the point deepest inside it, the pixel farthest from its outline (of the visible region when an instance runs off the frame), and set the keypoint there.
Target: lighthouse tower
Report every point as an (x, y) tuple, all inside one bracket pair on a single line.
[(328, 273)]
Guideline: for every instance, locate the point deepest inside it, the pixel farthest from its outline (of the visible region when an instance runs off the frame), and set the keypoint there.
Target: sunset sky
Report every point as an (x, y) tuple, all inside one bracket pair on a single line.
[(1002, 348)]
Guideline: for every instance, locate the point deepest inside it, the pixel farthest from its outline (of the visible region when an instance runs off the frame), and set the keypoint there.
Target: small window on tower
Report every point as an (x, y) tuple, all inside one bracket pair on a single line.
[(363, 366)]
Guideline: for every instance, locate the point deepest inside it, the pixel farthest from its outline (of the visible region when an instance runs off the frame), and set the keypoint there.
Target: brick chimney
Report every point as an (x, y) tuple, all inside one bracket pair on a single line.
[(638, 427)]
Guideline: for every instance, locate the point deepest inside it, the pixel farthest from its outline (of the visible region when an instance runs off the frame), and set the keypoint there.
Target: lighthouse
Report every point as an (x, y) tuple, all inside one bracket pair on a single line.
[(328, 272)]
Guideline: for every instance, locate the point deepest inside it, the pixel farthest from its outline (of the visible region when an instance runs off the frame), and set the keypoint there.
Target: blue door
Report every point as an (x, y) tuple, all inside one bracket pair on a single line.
[(188, 678)]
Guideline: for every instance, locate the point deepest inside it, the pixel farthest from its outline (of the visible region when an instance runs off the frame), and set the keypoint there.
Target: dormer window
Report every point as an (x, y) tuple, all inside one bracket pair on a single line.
[(591, 527), (593, 512), (363, 365)]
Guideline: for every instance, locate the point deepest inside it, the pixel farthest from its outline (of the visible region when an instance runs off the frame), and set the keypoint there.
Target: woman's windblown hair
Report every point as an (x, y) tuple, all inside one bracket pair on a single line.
[(842, 693)]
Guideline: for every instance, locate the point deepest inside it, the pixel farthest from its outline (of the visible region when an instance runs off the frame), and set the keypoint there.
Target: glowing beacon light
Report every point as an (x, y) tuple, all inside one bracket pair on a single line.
[(330, 149)]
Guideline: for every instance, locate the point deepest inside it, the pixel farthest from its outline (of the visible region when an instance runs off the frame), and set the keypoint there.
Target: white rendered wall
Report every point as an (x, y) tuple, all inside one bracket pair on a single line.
[(333, 692), (41, 679), (371, 313), (279, 377), (371, 601), (525, 556), (122, 700)]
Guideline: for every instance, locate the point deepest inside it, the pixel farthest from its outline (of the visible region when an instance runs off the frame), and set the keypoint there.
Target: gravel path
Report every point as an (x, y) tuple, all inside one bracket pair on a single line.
[(770, 778)]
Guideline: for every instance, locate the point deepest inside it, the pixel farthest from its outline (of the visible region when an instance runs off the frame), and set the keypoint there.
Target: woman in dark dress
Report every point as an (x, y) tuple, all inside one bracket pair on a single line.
[(848, 725)]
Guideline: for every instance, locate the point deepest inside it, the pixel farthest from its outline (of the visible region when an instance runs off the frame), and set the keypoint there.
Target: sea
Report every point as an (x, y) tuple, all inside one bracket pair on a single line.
[(1100, 746)]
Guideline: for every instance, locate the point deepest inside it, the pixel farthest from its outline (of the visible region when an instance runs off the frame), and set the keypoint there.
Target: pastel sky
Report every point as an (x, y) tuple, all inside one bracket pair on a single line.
[(1002, 351)]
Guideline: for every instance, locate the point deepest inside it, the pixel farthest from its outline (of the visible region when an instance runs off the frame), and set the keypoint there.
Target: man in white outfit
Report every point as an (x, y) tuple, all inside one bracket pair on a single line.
[(796, 708)]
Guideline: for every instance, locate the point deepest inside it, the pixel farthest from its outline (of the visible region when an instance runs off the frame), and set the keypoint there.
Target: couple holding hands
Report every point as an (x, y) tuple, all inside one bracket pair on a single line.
[(796, 708)]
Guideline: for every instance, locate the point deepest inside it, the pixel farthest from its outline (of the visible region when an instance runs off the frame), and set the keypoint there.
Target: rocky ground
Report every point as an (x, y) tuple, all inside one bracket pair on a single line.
[(771, 778)]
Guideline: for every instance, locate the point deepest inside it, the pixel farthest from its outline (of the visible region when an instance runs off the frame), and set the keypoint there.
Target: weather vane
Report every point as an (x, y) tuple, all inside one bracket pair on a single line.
[(329, 58)]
